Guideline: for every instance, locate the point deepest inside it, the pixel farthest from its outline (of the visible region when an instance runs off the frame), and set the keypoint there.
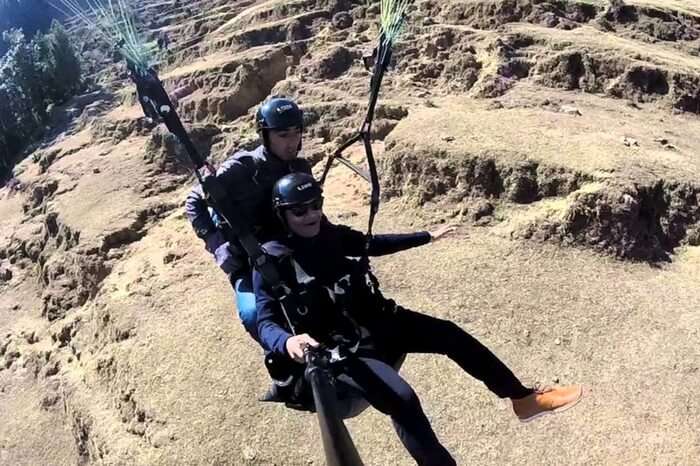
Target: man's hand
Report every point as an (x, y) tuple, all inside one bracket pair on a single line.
[(224, 258), (440, 232), (297, 344)]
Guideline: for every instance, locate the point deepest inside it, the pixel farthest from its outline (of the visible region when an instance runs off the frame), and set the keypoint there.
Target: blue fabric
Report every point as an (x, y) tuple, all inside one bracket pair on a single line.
[(245, 302), (215, 218)]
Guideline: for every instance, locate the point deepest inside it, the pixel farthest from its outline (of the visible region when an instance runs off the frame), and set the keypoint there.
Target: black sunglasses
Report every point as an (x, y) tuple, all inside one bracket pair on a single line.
[(302, 209)]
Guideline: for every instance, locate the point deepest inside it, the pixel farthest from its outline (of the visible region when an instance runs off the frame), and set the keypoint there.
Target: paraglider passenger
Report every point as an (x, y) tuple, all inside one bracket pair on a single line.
[(339, 307), (248, 177)]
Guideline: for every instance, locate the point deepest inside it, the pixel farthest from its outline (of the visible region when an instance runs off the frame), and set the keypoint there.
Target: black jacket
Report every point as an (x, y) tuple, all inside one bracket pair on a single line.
[(248, 178), (336, 295)]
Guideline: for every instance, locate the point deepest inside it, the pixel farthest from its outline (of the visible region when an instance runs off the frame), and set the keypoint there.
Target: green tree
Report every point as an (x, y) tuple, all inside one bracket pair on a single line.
[(63, 70), (33, 75), (23, 70), (15, 125), (28, 15)]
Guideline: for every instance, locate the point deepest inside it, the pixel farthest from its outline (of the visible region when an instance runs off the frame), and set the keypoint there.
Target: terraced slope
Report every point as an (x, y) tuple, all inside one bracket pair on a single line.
[(560, 136)]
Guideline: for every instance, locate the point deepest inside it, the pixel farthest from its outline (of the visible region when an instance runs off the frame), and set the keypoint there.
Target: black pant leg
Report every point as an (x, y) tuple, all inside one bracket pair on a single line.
[(412, 332), (387, 392)]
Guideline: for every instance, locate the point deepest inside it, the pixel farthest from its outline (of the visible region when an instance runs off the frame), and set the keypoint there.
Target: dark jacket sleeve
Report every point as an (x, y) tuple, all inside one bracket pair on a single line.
[(236, 174), (231, 174), (197, 212), (355, 243), (380, 245), (272, 334)]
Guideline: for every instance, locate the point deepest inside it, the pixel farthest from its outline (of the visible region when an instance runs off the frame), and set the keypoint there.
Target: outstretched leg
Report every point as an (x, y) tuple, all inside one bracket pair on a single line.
[(387, 392), (411, 332)]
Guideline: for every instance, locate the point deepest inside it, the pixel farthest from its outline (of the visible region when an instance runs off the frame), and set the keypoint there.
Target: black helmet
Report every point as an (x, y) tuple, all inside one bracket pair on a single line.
[(295, 189), (279, 113)]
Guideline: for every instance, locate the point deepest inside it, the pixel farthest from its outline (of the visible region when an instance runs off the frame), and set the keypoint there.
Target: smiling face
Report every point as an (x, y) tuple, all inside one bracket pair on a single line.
[(284, 143), (305, 219)]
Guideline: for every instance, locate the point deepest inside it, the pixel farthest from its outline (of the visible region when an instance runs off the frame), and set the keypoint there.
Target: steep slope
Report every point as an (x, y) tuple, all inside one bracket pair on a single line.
[(560, 136)]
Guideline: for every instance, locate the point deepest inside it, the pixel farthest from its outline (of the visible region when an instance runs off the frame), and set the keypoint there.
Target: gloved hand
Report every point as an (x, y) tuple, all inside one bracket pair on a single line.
[(217, 245), (224, 259)]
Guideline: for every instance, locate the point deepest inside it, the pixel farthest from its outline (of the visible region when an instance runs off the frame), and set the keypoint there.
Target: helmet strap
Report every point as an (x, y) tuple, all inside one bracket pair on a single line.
[(264, 132), (279, 213)]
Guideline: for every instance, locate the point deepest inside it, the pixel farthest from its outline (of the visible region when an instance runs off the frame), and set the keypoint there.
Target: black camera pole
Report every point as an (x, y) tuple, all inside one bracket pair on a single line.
[(338, 446)]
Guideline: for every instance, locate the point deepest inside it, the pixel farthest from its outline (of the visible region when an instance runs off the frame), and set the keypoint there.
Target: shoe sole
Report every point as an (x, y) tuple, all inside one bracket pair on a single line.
[(560, 409)]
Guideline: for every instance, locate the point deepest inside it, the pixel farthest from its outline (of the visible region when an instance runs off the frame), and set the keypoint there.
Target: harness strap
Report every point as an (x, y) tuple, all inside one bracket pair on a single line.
[(382, 55)]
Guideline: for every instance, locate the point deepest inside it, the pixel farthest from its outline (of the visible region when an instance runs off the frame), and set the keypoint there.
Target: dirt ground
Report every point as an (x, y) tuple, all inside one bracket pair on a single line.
[(559, 137)]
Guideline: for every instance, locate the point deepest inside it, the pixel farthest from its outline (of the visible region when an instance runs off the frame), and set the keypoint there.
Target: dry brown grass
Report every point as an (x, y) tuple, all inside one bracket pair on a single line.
[(154, 369)]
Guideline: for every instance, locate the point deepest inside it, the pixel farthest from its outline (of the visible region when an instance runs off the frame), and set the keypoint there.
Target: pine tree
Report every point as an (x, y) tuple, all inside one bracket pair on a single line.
[(16, 120), (32, 75), (65, 72), (6, 134), (23, 96), (28, 15), (23, 71)]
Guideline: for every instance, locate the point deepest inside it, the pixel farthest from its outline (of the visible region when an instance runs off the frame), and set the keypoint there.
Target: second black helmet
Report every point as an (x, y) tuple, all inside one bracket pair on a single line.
[(295, 189), (279, 113)]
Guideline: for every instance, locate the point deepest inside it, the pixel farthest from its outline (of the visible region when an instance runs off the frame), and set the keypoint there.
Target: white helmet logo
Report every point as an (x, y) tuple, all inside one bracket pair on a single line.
[(304, 186), (284, 108)]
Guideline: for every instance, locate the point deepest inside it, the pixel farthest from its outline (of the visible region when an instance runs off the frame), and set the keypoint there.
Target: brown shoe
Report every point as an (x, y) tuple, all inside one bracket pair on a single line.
[(548, 400)]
